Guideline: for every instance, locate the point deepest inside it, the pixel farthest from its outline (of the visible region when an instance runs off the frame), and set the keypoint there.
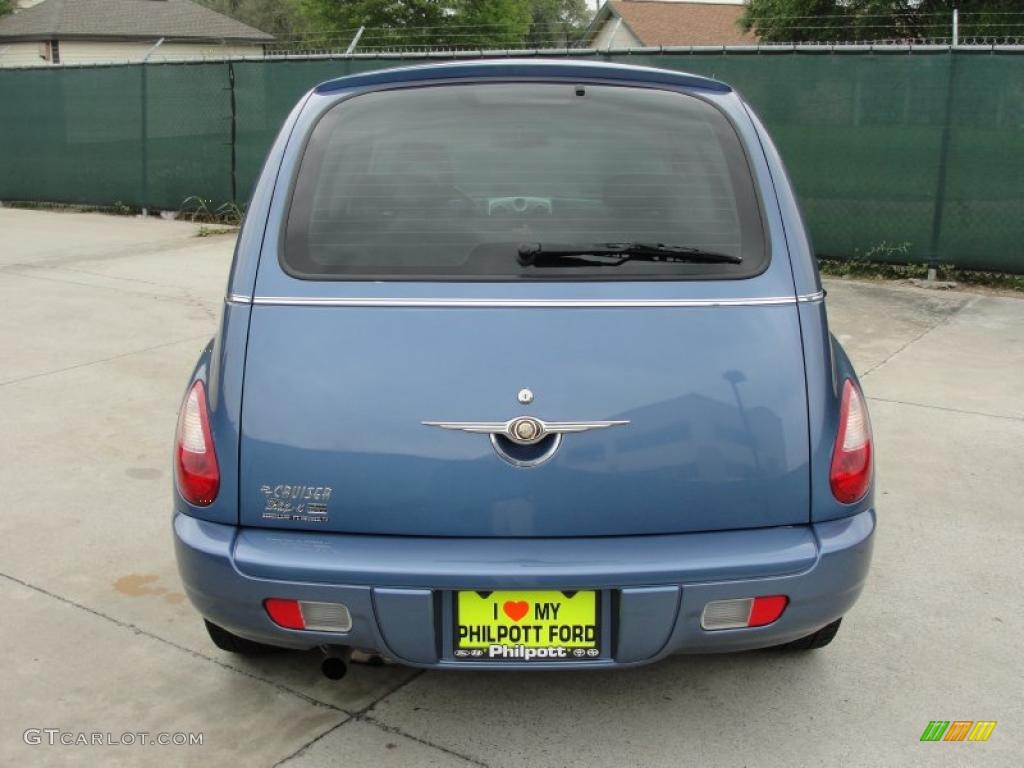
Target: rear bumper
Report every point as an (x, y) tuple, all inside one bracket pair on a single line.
[(399, 589)]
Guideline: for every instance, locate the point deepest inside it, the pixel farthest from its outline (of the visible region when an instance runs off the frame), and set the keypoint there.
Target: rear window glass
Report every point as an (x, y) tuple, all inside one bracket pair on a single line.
[(464, 182)]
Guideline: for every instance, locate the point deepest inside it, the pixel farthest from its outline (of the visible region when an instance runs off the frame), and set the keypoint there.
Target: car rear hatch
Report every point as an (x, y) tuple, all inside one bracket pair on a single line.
[(335, 400), (350, 352)]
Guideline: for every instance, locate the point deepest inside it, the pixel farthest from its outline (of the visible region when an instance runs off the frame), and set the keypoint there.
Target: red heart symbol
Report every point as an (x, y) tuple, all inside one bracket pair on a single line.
[(515, 611)]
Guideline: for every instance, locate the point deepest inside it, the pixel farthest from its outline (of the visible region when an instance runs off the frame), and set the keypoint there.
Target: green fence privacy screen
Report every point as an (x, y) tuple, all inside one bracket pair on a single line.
[(896, 156)]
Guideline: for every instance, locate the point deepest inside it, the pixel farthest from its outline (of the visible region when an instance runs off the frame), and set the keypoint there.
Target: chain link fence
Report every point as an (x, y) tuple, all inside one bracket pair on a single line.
[(898, 154)]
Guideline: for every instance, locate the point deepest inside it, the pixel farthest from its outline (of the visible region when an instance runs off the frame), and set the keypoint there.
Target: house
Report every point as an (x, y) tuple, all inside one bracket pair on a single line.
[(114, 31), (648, 23)]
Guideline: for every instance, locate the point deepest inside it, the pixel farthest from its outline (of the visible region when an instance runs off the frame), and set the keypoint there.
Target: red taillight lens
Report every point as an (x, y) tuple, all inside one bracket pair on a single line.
[(287, 613), (765, 610), (850, 474), (195, 459)]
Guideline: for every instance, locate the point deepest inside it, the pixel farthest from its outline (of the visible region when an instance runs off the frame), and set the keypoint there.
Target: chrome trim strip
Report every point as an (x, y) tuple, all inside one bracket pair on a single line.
[(304, 301), (237, 298), (808, 297)]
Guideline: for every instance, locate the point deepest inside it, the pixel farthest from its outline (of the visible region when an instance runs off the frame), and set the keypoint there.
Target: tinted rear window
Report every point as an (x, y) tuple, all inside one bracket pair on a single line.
[(448, 182)]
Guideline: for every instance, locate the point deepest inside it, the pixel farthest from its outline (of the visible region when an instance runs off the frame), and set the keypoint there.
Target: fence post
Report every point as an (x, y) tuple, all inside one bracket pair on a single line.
[(145, 128), (234, 129), (940, 183), (355, 41), (144, 202)]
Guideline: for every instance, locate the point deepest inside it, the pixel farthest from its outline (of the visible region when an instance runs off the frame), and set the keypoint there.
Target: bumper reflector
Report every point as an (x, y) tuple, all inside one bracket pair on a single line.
[(743, 612), (304, 614), (326, 617)]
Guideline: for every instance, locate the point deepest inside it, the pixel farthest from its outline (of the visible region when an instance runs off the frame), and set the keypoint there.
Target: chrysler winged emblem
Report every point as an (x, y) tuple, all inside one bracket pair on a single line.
[(524, 430)]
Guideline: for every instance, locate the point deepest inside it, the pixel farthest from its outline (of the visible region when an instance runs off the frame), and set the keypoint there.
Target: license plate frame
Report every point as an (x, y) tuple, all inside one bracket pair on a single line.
[(583, 640)]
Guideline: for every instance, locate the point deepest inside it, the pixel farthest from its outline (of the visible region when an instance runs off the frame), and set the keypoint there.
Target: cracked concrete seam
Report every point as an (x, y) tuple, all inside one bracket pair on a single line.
[(41, 374), (370, 720), (170, 643), (945, 408), (943, 321), (128, 251), (299, 752), (358, 715), (182, 297), (364, 717)]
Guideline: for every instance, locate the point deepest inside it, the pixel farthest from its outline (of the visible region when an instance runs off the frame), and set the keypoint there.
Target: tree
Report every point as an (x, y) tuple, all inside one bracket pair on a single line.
[(898, 20), (331, 24), (405, 22), (281, 18), (490, 23), (441, 23), (6, 6), (554, 23)]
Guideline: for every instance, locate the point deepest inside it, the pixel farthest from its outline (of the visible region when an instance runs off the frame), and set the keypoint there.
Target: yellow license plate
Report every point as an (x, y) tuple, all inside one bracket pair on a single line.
[(527, 626)]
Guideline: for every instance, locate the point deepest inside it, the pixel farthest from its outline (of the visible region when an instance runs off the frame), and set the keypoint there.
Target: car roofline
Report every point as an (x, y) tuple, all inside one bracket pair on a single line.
[(516, 69)]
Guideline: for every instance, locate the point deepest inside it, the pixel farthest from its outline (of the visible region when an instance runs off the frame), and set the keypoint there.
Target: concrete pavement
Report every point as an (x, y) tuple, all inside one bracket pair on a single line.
[(103, 318)]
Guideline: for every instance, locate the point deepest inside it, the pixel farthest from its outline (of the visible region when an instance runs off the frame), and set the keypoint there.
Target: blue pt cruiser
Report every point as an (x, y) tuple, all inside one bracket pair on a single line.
[(523, 364)]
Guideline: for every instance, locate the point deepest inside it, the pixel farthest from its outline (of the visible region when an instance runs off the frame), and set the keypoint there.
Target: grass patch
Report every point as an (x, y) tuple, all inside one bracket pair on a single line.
[(198, 210), (860, 267), (205, 231), (986, 279), (117, 208)]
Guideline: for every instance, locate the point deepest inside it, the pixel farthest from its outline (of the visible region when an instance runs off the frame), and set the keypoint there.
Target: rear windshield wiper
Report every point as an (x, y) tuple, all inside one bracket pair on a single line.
[(576, 255)]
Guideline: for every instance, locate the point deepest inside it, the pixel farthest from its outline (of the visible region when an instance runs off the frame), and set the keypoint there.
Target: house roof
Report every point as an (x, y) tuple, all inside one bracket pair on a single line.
[(677, 23), (125, 20)]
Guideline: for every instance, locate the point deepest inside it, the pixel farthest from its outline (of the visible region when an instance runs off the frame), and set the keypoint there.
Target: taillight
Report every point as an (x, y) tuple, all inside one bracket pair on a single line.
[(742, 612), (306, 614), (195, 459), (850, 474)]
